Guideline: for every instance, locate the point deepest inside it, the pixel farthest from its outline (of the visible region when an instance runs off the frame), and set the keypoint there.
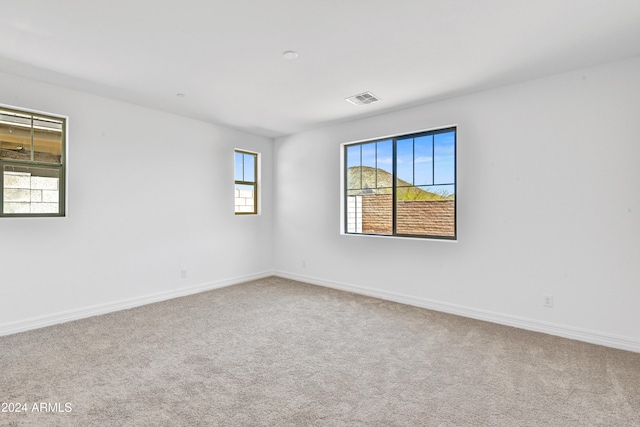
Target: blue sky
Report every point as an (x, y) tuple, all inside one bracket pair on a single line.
[(244, 167), (415, 159)]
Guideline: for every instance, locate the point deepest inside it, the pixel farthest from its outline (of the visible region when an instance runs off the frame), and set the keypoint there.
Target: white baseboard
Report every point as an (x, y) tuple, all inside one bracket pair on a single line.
[(592, 337), (578, 334), (68, 316)]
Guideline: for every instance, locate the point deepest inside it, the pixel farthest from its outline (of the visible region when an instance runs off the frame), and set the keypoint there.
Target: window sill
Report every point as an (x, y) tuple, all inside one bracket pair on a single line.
[(383, 236)]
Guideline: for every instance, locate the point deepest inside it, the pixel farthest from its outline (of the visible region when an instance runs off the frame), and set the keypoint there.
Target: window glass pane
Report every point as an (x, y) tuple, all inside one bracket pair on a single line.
[(353, 155), (446, 191), (31, 190), (369, 211), (369, 165), (385, 164), (354, 212), (354, 178), (47, 140), (404, 161), (249, 167), (244, 198), (15, 135), (426, 211), (423, 160), (369, 154), (238, 167), (444, 151)]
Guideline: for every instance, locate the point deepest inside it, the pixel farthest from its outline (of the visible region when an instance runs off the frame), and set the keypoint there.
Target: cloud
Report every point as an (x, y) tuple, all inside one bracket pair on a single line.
[(422, 159)]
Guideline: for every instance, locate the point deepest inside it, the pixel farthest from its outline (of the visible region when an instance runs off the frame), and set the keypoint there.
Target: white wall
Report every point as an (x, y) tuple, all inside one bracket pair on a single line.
[(149, 194), (548, 203)]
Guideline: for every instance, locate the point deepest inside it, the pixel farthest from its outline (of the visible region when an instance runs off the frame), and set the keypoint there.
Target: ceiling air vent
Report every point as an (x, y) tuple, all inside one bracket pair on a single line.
[(363, 99)]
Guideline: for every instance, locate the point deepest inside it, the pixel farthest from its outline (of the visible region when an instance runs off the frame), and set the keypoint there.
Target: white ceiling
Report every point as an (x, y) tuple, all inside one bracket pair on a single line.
[(226, 55)]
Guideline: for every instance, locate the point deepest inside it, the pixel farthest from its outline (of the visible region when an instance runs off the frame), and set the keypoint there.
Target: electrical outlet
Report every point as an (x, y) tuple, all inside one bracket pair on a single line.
[(183, 274), (547, 300)]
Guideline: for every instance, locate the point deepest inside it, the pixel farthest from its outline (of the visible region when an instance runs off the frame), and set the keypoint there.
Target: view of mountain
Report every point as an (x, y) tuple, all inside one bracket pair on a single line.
[(369, 180)]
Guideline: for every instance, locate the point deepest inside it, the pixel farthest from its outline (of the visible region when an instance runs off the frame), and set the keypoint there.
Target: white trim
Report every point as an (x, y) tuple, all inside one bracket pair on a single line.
[(96, 310), (65, 164), (384, 236), (257, 178), (394, 135), (593, 337)]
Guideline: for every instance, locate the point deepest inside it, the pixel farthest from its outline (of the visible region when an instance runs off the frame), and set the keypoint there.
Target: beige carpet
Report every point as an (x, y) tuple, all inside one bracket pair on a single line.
[(275, 352)]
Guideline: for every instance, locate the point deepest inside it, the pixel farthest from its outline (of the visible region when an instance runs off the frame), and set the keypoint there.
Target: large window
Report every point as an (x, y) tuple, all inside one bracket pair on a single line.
[(246, 182), (32, 160), (402, 186)]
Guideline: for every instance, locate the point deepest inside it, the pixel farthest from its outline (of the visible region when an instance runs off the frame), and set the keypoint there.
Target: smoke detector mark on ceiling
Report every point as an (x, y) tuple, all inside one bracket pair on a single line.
[(363, 99)]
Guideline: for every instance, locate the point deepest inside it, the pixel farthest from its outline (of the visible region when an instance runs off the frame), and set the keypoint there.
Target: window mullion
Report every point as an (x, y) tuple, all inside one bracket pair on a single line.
[(394, 183), (255, 183), (413, 161), (376, 167), (32, 147), (433, 160), (360, 166), (1, 188), (345, 175)]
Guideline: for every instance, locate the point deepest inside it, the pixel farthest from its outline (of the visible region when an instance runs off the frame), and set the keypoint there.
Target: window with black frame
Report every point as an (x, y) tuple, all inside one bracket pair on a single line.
[(32, 160), (402, 186)]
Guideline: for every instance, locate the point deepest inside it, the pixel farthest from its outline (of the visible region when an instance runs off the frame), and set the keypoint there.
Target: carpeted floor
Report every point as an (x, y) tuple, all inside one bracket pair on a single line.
[(275, 352)]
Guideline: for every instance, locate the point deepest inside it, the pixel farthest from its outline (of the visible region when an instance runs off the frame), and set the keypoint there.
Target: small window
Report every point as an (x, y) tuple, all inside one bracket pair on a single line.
[(246, 182), (32, 160), (402, 186)]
